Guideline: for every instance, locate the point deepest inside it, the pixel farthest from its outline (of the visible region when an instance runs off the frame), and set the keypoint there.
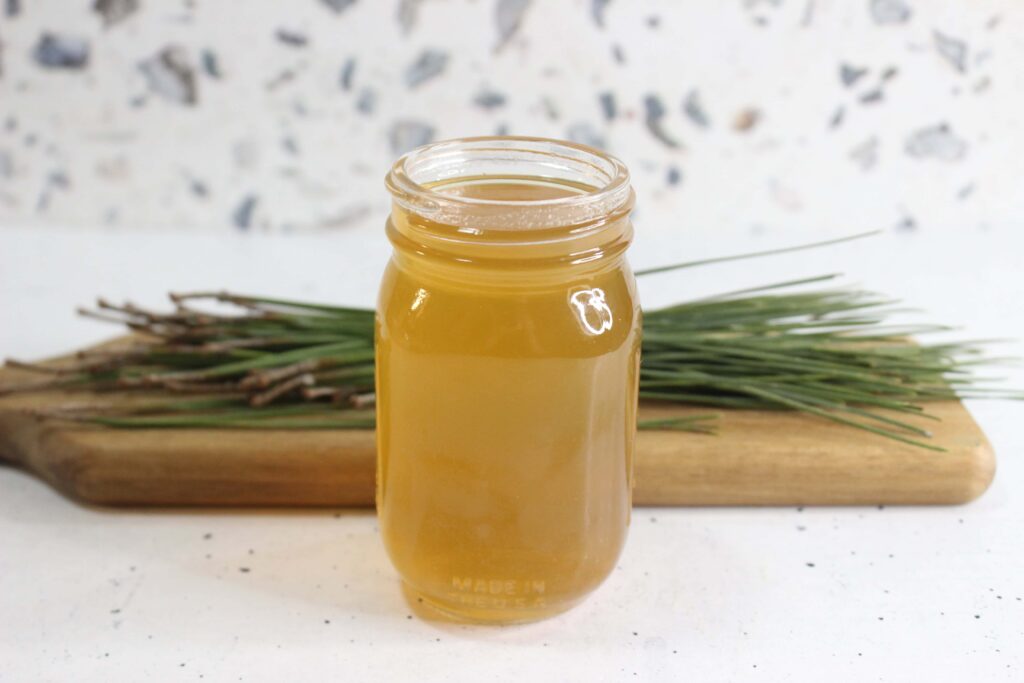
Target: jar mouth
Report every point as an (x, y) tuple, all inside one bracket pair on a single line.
[(596, 184)]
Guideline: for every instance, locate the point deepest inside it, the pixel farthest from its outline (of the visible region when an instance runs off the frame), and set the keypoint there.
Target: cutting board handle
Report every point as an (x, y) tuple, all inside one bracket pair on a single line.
[(10, 447)]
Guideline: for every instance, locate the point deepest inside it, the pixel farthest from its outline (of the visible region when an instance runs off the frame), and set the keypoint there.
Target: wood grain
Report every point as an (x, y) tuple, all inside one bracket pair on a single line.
[(758, 458)]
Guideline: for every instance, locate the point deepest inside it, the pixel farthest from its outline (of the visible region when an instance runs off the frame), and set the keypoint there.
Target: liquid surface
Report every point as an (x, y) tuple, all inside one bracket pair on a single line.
[(506, 421)]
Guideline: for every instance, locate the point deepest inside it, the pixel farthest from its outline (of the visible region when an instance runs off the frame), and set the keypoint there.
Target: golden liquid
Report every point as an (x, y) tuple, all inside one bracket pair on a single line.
[(506, 422)]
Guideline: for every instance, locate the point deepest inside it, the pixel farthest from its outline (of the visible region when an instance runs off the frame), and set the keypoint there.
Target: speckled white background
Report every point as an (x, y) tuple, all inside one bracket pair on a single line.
[(752, 114)]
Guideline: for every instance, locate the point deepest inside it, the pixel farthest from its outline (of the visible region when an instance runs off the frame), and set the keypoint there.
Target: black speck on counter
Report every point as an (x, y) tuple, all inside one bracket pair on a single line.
[(367, 101), (408, 616), (338, 5), (207, 536), (608, 105), (693, 108), (937, 142), (890, 11), (407, 15), (244, 570), (508, 15), (242, 216), (114, 11), (672, 177), (405, 135), (327, 621), (800, 527), (210, 63), (837, 118), (654, 112), (170, 75), (872, 96), (489, 99), (57, 51), (348, 72), (199, 189), (953, 50), (291, 38), (848, 75), (584, 133), (977, 616), (429, 64), (550, 108), (809, 564)]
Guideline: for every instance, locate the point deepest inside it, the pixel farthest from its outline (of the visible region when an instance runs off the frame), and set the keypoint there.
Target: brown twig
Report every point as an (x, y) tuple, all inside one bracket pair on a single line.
[(38, 368), (315, 393), (133, 350), (259, 379), (278, 390), (221, 296), (58, 414), (38, 385), (96, 315), (202, 387), (363, 400), (99, 364), (345, 392)]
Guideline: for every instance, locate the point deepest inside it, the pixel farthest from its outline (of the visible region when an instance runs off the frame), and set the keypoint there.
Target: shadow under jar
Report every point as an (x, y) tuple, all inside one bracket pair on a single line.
[(508, 345)]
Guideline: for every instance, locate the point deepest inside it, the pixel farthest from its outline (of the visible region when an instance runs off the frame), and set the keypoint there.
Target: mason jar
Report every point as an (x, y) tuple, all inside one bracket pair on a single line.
[(508, 344)]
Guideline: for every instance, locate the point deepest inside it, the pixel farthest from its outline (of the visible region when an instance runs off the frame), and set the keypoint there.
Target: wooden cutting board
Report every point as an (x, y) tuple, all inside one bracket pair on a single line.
[(757, 458)]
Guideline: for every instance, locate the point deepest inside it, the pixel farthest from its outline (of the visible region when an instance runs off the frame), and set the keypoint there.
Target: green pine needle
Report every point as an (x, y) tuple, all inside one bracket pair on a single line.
[(284, 364)]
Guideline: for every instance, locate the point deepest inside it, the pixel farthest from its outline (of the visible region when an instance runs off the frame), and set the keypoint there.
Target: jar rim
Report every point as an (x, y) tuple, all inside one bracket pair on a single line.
[(605, 176)]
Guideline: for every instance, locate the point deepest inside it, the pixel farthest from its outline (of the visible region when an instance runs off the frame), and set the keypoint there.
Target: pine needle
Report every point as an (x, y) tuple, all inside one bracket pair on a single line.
[(283, 364)]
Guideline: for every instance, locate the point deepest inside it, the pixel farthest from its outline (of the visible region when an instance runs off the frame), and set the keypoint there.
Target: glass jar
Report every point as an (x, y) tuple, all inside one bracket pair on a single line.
[(508, 344)]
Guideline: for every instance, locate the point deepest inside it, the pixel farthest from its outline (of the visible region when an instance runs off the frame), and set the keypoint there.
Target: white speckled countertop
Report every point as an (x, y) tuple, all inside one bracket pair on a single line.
[(893, 594)]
